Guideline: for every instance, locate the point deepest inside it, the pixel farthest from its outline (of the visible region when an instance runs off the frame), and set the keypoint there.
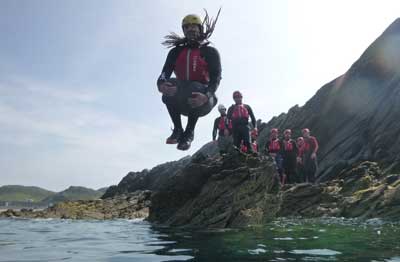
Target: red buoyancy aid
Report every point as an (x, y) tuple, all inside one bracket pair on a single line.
[(223, 122), (300, 151), (274, 146), (191, 66), (240, 112), (255, 146), (288, 145), (310, 143)]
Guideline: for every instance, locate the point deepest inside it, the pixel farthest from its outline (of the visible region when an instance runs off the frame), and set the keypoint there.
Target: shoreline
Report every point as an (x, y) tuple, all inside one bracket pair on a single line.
[(3, 209)]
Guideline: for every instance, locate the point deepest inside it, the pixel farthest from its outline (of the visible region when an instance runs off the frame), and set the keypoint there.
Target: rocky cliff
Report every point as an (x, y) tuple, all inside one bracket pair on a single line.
[(238, 190), (355, 117)]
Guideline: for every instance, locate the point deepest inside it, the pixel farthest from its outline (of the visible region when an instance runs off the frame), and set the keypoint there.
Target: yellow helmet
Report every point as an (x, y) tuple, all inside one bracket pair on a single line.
[(192, 19)]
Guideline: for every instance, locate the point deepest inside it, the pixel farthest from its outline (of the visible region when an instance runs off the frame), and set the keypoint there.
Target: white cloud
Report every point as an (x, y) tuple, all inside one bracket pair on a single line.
[(85, 136)]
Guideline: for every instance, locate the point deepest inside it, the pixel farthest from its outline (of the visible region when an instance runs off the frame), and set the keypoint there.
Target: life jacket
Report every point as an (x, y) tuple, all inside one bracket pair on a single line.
[(300, 152), (240, 112), (274, 146), (255, 146), (191, 66), (288, 145), (224, 123)]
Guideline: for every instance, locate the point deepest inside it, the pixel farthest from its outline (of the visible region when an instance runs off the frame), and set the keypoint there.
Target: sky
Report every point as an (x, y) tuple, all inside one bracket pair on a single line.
[(78, 100)]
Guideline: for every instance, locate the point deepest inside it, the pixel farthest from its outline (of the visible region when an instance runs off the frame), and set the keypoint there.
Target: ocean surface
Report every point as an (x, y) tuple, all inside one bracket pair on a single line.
[(134, 240)]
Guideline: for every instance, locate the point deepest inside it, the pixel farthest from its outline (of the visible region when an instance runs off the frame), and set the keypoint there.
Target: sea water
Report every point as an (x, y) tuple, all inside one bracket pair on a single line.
[(328, 239)]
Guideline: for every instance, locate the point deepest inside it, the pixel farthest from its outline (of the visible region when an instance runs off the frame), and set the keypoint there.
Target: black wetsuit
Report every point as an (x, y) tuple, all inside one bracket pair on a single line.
[(310, 165), (198, 69), (221, 124), (274, 146), (289, 155), (240, 127)]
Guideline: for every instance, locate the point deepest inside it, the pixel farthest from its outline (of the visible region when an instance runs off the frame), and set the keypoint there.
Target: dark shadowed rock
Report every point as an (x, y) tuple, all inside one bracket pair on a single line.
[(147, 179), (218, 192)]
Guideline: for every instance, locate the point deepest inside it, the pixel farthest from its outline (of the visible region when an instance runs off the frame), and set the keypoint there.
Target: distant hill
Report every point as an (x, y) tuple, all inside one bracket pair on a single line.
[(23, 193), (103, 189), (73, 193)]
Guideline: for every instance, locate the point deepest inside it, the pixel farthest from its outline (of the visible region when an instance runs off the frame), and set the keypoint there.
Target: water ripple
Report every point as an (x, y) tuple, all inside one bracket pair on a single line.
[(317, 252), (127, 240)]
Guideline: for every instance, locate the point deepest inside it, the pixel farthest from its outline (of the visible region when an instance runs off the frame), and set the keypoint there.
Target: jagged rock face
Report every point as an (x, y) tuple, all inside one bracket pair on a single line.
[(360, 191), (147, 180), (237, 191), (220, 192), (355, 117), (158, 176)]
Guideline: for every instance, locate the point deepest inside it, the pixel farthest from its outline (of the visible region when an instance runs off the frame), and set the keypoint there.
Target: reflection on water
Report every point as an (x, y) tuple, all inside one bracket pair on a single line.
[(135, 240)]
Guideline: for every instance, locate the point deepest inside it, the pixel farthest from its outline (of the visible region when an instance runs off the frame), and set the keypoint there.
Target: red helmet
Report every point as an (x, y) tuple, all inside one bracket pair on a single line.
[(237, 94), (287, 131), (274, 130)]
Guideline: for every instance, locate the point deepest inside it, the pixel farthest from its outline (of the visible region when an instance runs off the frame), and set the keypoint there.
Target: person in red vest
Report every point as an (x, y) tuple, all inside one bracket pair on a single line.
[(274, 149), (253, 138), (310, 155), (300, 162), (222, 127), (289, 155), (197, 68), (239, 114)]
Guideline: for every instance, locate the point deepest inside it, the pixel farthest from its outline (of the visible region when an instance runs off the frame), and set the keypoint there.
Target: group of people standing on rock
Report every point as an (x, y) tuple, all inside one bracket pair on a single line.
[(295, 160), (197, 68)]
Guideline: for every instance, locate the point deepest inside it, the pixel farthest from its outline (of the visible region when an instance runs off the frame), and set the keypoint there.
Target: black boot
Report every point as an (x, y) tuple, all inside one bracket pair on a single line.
[(175, 136), (186, 140)]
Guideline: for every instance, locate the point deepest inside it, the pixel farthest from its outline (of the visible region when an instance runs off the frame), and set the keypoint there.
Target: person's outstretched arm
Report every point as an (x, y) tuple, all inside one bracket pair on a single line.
[(252, 117)]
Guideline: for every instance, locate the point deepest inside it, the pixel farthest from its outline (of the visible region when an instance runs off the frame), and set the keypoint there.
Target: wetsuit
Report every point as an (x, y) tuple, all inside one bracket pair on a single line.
[(239, 115), (221, 124), (310, 165), (300, 165), (289, 155), (274, 146), (197, 68)]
